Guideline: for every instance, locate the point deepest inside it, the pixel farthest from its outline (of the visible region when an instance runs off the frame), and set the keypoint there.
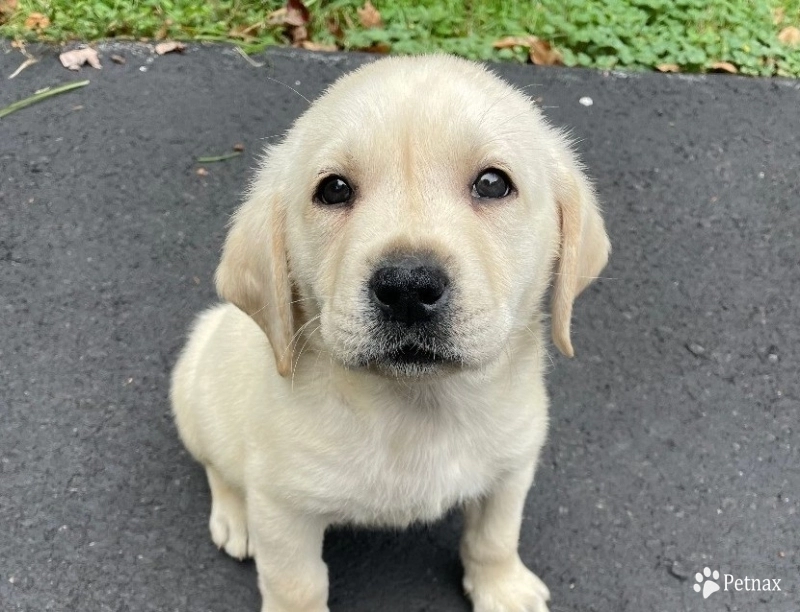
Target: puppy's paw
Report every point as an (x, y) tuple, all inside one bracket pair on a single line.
[(228, 526), (510, 587)]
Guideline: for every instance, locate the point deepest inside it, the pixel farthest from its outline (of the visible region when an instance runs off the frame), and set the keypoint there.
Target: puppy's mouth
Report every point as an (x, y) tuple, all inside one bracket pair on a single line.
[(411, 359), (414, 354)]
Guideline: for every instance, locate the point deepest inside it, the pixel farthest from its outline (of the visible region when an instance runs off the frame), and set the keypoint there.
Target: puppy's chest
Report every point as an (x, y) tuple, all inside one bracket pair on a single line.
[(411, 469)]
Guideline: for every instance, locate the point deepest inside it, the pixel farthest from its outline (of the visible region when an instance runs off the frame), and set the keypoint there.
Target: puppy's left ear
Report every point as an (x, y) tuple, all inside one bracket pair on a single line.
[(584, 245)]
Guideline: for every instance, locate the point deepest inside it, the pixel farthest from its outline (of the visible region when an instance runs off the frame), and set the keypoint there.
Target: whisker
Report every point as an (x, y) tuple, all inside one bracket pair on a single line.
[(589, 277), (289, 87), (297, 361), (296, 334)]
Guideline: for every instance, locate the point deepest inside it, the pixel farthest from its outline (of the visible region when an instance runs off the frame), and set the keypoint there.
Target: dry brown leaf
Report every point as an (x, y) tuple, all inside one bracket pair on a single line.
[(170, 46), (37, 21), (668, 68), (789, 36), (724, 67), (299, 35), (7, 8), (163, 30), (543, 54), (369, 16), (76, 58), (514, 41), (294, 16), (379, 47), (296, 13), (335, 28), (245, 32), (313, 46), (277, 17)]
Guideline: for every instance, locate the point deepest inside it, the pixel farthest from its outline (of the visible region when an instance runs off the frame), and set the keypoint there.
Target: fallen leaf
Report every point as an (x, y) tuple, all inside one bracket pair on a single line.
[(7, 8), (162, 31), (76, 58), (313, 46), (37, 21), (379, 47), (514, 41), (790, 36), (668, 68), (724, 67), (540, 51), (369, 16), (245, 32), (335, 28), (118, 59), (299, 35), (277, 17), (294, 16), (170, 46), (296, 13), (543, 54)]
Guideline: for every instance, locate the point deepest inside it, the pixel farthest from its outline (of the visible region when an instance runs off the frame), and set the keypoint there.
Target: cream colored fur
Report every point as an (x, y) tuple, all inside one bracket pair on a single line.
[(268, 395)]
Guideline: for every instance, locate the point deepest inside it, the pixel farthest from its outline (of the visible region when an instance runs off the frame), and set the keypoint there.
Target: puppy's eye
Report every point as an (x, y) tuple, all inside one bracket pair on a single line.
[(491, 184), (333, 190)]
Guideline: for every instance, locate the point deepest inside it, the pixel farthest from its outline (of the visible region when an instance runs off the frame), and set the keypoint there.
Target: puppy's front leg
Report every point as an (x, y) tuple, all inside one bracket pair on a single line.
[(494, 576), (288, 549)]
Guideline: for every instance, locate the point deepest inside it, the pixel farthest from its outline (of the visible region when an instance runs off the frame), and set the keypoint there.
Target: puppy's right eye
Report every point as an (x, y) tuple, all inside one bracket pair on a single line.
[(333, 190)]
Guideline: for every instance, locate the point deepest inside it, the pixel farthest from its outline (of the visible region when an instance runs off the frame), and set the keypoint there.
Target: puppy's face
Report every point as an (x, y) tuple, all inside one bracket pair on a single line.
[(418, 207)]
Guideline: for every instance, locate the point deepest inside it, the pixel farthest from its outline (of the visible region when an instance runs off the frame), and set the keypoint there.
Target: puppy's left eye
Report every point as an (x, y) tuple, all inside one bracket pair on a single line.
[(491, 184)]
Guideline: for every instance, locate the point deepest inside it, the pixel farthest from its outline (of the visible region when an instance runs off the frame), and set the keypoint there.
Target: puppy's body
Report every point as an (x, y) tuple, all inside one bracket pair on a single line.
[(351, 447), (383, 356)]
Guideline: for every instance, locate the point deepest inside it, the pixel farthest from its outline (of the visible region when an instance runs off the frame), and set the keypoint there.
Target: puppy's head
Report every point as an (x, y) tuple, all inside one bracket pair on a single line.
[(411, 218)]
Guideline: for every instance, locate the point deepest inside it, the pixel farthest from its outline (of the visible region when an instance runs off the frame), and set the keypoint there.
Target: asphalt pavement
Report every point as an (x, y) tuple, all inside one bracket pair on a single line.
[(674, 441)]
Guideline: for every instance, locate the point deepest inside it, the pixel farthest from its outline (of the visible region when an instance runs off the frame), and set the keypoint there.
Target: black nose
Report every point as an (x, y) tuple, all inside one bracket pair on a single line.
[(410, 289)]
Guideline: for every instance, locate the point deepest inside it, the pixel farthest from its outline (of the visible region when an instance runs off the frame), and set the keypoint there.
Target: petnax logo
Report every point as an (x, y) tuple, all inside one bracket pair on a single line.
[(707, 583)]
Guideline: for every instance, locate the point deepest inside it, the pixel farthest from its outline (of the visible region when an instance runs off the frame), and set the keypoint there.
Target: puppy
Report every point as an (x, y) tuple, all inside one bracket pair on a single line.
[(382, 355)]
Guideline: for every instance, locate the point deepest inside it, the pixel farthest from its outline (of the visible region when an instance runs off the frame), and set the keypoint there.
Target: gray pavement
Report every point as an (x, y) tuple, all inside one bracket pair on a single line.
[(674, 441)]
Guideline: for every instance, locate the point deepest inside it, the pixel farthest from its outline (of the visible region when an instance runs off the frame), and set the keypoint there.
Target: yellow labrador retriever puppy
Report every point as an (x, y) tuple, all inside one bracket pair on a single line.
[(382, 357)]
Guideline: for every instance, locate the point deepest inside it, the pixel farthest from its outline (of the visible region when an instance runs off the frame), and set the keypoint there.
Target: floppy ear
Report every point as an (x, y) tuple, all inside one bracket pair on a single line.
[(253, 272), (584, 246)]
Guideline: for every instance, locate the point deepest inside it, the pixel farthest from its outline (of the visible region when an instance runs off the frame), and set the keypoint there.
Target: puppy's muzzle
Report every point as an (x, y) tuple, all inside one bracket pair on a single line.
[(410, 290)]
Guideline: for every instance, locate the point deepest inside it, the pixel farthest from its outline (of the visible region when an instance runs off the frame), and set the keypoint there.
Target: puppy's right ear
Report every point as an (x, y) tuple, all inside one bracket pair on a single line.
[(253, 272)]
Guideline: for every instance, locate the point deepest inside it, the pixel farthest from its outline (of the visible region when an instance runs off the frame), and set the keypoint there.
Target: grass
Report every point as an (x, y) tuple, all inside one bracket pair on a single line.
[(39, 96), (690, 35)]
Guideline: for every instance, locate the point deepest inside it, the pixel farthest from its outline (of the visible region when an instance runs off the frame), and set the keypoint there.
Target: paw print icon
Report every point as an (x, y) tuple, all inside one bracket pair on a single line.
[(706, 582)]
